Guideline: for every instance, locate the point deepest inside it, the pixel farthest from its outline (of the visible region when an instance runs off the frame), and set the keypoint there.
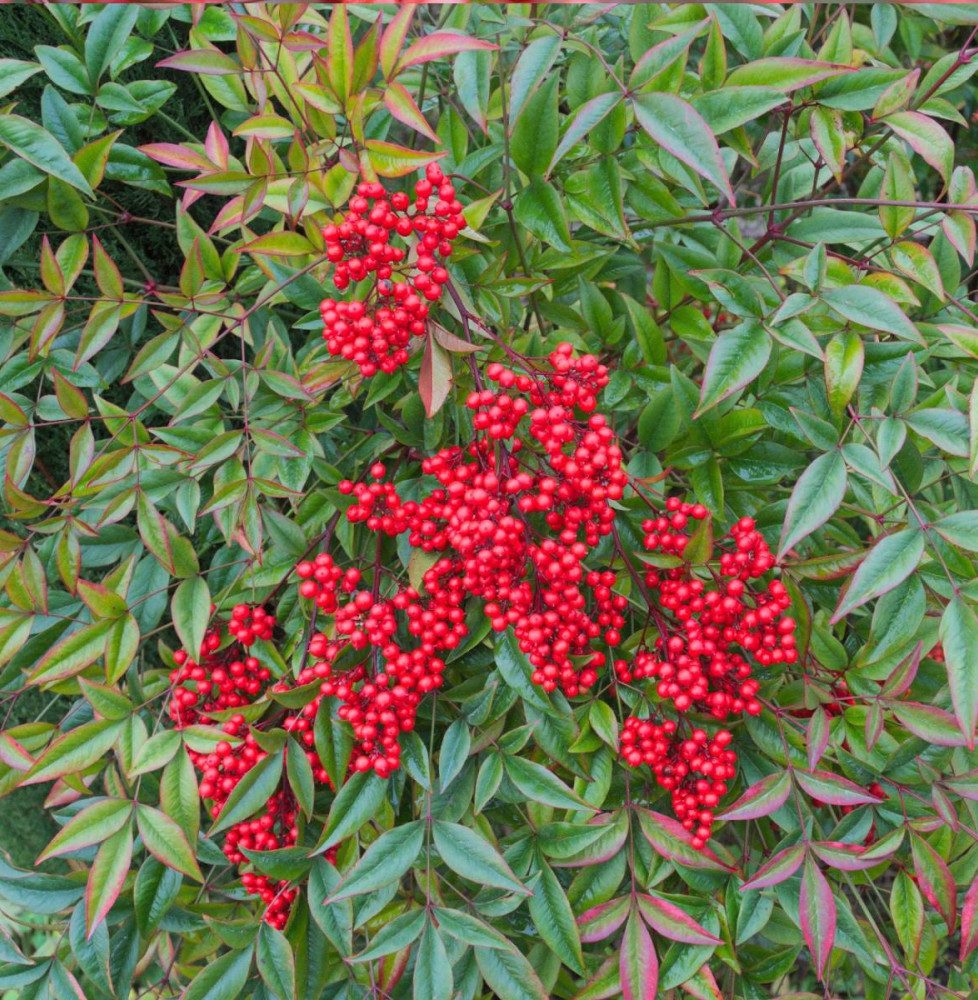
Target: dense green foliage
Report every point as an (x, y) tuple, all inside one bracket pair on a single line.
[(761, 219)]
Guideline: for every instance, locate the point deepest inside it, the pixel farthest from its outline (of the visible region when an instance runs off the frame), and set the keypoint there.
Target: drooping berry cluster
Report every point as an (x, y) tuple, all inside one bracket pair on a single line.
[(711, 626), (375, 331), (226, 678)]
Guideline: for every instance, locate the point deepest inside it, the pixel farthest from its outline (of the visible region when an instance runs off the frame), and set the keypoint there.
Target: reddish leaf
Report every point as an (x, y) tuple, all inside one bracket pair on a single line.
[(969, 921), (172, 155), (210, 62), (669, 838), (931, 724), (763, 798), (603, 920), (393, 39), (935, 880), (638, 964), (844, 857), (437, 46), (435, 378), (817, 736), (817, 915), (107, 877), (832, 789), (672, 922), (782, 866), (401, 105)]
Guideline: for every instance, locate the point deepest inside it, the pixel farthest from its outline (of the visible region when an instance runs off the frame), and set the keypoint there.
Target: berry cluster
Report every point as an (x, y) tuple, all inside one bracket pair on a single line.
[(374, 332), (511, 522), (205, 692), (711, 628)]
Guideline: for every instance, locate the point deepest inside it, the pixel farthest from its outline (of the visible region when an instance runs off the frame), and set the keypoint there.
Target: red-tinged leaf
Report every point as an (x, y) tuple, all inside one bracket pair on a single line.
[(172, 155), (929, 723), (73, 654), (400, 104), (678, 128), (668, 837), (844, 857), (281, 244), (670, 921), (393, 39), (602, 921), (886, 846), (817, 736), (944, 807), (763, 798), (782, 866), (107, 877), (13, 754), (391, 160), (817, 916), (935, 880), (903, 674), (76, 751), (451, 343), (209, 62), (926, 138), (638, 964), (969, 921), (339, 54), (93, 825), (965, 785), (107, 274), (959, 637), (164, 839), (959, 228), (435, 377), (216, 146), (437, 46), (832, 789)]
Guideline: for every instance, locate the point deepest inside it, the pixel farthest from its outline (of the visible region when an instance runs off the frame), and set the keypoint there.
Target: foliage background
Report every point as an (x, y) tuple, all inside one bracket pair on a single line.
[(173, 426)]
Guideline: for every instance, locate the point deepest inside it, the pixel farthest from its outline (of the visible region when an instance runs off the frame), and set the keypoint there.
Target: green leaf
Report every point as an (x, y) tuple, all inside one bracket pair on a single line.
[(222, 979), (869, 307), (432, 968), (13, 72), (784, 73), (553, 918), (75, 751), (385, 861), (301, 779), (401, 932), (960, 529), (92, 825), (276, 963), (534, 136), (191, 609), (179, 795), (154, 892), (539, 784), (529, 72), (455, 749), (891, 560), (356, 803), (468, 929), (844, 355), (73, 654), (828, 134), (37, 146), (815, 498), (677, 127), (107, 877), (540, 210), (959, 637), (251, 792), (105, 37), (64, 69), (472, 857), (164, 839), (509, 975), (738, 356), (907, 913), (581, 123)]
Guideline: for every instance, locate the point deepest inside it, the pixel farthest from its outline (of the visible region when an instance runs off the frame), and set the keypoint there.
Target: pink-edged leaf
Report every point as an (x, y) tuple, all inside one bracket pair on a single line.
[(886, 846), (817, 915), (669, 839), (844, 857), (784, 73), (210, 62), (638, 964), (435, 377), (833, 789), (172, 155), (959, 638), (762, 798), (392, 40), (929, 723), (451, 343), (678, 128), (873, 727), (703, 985), (944, 807), (965, 785), (401, 105), (107, 877), (969, 921), (782, 866), (935, 880), (13, 754), (438, 45), (670, 921), (216, 145), (602, 921), (926, 138), (959, 228), (392, 160), (817, 737), (903, 674)]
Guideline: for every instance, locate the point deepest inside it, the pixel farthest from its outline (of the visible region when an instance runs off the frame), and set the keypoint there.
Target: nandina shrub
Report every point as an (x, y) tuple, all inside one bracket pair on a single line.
[(491, 511)]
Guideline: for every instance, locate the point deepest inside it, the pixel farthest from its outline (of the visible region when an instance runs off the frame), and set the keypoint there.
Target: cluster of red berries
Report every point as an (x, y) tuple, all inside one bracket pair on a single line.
[(711, 627), (511, 522), (375, 332), (227, 678)]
